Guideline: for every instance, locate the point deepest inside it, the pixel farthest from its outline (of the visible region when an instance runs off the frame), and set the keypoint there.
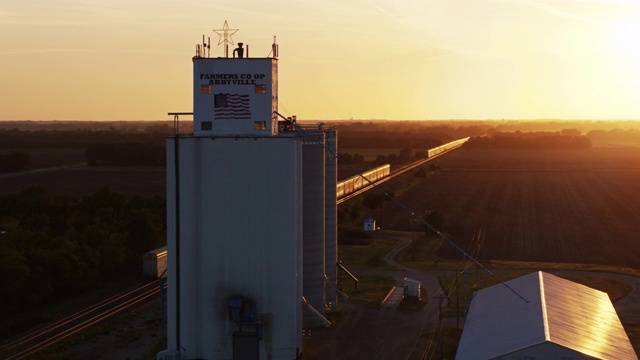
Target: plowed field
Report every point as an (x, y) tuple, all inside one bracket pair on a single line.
[(578, 206)]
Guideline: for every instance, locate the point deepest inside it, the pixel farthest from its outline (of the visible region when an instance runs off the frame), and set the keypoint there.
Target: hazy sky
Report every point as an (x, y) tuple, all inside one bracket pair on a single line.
[(339, 59)]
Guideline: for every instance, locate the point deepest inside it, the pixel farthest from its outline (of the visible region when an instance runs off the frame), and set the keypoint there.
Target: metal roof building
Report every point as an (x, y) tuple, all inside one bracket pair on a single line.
[(561, 320)]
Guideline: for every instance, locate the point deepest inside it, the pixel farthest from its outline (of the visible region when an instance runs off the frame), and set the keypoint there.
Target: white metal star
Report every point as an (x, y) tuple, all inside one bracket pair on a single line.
[(225, 34)]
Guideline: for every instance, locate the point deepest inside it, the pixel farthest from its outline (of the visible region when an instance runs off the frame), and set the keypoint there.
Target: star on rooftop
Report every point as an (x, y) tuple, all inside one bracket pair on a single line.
[(225, 34)]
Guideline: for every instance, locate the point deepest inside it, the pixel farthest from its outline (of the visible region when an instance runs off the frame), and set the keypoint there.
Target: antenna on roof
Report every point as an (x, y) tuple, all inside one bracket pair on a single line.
[(274, 48), (203, 50)]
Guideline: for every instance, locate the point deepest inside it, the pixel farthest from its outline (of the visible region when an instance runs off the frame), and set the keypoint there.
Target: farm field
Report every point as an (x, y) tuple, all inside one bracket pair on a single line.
[(145, 181), (567, 206), (50, 157)]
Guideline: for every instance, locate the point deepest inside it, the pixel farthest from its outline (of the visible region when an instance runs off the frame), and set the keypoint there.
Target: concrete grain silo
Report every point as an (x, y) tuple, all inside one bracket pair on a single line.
[(313, 179), (251, 218), (234, 219), (331, 220)]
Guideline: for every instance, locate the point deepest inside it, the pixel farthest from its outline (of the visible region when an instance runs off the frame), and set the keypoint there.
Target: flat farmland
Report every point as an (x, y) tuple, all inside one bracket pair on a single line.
[(80, 181), (568, 206), (50, 157)]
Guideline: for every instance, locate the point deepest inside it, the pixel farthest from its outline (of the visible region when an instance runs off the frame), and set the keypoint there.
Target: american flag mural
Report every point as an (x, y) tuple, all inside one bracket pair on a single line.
[(231, 106)]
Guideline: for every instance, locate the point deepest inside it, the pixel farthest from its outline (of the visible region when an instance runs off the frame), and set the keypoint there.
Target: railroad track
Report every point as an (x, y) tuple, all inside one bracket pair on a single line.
[(392, 175), (46, 336)]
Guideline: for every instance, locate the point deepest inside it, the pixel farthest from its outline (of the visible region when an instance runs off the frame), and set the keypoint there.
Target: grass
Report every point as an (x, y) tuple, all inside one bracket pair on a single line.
[(371, 290), (450, 340), (422, 254), (494, 264), (367, 256)]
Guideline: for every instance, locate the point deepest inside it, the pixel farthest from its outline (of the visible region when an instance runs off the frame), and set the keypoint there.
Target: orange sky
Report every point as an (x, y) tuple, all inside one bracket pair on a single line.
[(377, 59)]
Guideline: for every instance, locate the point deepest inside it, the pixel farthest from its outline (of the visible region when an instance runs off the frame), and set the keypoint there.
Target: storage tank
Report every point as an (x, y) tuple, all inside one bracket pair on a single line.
[(234, 236), (313, 202), (330, 221)]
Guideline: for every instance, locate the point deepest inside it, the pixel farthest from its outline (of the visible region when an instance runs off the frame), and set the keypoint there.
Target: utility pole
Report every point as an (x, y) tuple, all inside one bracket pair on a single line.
[(441, 298), (457, 302), (411, 223)]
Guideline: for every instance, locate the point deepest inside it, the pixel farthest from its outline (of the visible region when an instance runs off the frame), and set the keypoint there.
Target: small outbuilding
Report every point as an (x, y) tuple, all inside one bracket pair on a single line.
[(412, 289), (369, 224), (551, 318)]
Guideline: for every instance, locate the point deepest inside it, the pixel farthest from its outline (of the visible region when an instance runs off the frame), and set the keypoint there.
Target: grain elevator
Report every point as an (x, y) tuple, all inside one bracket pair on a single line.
[(251, 218)]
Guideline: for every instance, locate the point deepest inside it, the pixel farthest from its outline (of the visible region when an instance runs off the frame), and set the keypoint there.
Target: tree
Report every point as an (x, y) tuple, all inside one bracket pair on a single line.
[(346, 157), (405, 154), (14, 275), (54, 246), (142, 233), (570, 132), (381, 160), (420, 155)]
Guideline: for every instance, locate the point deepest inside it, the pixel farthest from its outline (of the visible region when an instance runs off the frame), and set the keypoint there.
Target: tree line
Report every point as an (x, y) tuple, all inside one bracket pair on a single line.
[(80, 138), (628, 135), (53, 247), (126, 154), (533, 140), (359, 139), (404, 155), (103, 147)]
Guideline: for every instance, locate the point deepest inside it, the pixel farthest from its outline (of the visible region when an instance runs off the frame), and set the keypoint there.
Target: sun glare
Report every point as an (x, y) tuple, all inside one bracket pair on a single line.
[(622, 50)]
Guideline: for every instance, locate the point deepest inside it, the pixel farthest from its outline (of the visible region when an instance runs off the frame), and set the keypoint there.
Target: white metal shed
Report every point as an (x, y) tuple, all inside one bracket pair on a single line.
[(412, 288), (561, 320)]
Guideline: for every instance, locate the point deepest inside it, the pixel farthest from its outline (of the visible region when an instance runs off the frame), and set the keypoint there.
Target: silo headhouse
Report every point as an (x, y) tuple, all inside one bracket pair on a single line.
[(235, 218), (235, 96)]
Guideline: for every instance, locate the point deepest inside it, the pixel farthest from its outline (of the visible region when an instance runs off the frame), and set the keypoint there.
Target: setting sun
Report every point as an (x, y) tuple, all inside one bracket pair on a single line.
[(622, 50)]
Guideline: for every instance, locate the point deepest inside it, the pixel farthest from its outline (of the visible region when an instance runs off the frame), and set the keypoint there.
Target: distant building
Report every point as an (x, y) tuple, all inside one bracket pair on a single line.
[(562, 320)]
